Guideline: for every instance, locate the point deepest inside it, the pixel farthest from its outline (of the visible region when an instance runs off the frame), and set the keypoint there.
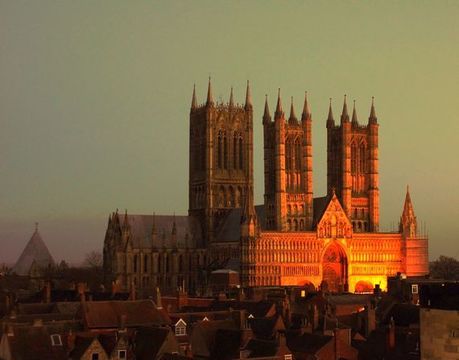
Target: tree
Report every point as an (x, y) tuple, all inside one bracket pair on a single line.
[(93, 260), (445, 267)]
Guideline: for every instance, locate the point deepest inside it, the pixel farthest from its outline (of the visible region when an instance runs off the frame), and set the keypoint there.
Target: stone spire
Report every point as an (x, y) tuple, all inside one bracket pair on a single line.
[(344, 114), (266, 114), (249, 215), (354, 116), (248, 97), (210, 99), (231, 100), (408, 223), (292, 119), (330, 119), (278, 114), (306, 115), (373, 119), (194, 102)]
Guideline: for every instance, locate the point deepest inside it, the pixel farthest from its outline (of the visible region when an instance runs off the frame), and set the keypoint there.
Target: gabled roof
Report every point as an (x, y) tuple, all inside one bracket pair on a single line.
[(36, 253), (335, 216)]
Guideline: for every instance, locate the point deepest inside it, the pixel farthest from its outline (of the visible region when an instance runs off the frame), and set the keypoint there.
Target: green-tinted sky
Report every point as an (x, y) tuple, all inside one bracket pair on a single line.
[(94, 102)]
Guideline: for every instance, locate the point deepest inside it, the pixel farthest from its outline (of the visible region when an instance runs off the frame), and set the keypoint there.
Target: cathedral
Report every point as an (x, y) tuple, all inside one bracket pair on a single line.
[(294, 238)]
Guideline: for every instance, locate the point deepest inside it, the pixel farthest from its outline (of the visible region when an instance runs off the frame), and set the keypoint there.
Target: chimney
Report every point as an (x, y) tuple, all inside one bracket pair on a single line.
[(81, 292), (370, 320), (182, 299), (391, 335), (71, 340), (47, 292)]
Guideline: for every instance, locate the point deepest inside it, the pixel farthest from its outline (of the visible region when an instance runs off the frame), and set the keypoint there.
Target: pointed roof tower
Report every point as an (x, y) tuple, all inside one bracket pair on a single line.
[(194, 102), (344, 114), (266, 114), (354, 116), (330, 119), (210, 99), (408, 223), (408, 210), (279, 113), (231, 100), (306, 115), (248, 97), (373, 119), (35, 252), (292, 119)]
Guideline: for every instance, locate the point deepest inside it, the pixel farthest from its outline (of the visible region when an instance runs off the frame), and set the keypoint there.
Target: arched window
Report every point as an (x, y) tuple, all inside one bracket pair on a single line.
[(220, 150), (238, 197), (295, 225), (241, 155), (301, 225), (167, 264), (225, 152), (159, 263), (289, 225), (221, 197), (235, 152), (353, 158), (231, 197), (145, 263), (135, 263), (298, 155), (362, 158), (180, 263)]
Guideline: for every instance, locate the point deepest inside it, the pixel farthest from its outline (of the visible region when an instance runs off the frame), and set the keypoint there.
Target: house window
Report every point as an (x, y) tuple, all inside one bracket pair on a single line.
[(180, 330), (122, 354), (95, 356), (56, 340), (288, 357), (455, 333), (414, 289)]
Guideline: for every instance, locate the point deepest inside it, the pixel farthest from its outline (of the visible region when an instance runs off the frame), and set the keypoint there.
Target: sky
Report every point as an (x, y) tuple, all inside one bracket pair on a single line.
[(95, 97)]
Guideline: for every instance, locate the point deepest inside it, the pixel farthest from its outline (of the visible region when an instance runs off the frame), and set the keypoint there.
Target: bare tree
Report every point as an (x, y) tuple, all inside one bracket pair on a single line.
[(445, 267), (93, 260)]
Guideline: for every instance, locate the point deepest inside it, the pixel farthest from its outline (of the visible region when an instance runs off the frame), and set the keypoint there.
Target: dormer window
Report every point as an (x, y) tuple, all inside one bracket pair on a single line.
[(180, 328), (95, 356), (122, 354), (56, 340), (205, 318)]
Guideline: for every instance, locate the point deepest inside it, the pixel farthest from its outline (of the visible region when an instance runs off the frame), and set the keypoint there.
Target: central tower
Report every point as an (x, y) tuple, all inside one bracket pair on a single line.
[(352, 167), (288, 169), (221, 160)]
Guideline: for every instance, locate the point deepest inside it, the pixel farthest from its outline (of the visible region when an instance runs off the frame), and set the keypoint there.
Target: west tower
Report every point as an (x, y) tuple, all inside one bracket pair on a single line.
[(352, 167), (221, 159), (288, 168)]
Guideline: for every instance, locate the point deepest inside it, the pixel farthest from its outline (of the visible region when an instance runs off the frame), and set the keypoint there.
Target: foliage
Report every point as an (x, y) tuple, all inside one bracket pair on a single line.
[(93, 259), (445, 267)]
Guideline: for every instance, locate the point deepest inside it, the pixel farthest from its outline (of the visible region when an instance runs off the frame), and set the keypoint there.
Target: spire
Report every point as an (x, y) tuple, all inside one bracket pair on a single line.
[(126, 220), (210, 99), (354, 116), (344, 114), (174, 226), (194, 102), (248, 97), (306, 111), (292, 119), (279, 112), (330, 120), (266, 114), (231, 100), (249, 216), (373, 119), (36, 227), (408, 223)]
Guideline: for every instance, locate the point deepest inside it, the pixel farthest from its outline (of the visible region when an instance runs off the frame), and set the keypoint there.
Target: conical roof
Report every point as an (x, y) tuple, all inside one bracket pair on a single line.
[(35, 251)]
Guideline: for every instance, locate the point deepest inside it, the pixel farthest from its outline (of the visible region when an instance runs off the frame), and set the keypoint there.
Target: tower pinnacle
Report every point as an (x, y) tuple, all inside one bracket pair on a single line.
[(194, 102), (292, 119), (354, 116), (330, 120), (306, 111), (248, 97), (345, 114), (373, 119), (266, 114), (279, 112), (231, 100), (210, 99)]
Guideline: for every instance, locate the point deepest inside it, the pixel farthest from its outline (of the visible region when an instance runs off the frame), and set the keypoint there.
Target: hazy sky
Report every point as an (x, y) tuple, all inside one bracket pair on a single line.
[(95, 96)]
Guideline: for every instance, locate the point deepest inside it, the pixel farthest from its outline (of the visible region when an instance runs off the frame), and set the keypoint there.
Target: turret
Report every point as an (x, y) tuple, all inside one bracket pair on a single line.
[(344, 113), (306, 115), (266, 114), (279, 114), (372, 119), (355, 122), (231, 100)]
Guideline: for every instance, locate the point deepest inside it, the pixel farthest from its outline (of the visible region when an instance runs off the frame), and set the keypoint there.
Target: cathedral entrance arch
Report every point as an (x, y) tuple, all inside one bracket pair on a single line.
[(334, 269)]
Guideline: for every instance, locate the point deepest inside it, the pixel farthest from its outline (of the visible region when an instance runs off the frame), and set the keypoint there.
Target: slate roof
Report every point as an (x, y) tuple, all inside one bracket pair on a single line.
[(36, 252), (307, 343), (108, 314), (149, 341), (230, 230), (261, 348)]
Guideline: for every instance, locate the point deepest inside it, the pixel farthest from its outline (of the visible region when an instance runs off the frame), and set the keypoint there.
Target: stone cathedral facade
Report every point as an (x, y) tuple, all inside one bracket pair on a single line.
[(294, 238)]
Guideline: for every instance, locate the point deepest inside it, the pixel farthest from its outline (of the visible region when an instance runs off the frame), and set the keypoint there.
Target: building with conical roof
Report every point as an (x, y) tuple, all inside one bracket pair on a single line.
[(34, 256)]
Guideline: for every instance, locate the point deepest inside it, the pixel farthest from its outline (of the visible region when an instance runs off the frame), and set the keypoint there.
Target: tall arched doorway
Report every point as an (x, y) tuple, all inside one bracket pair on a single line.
[(334, 269)]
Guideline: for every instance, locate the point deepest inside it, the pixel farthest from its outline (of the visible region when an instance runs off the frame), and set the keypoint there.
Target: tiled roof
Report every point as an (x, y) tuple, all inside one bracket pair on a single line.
[(108, 314)]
